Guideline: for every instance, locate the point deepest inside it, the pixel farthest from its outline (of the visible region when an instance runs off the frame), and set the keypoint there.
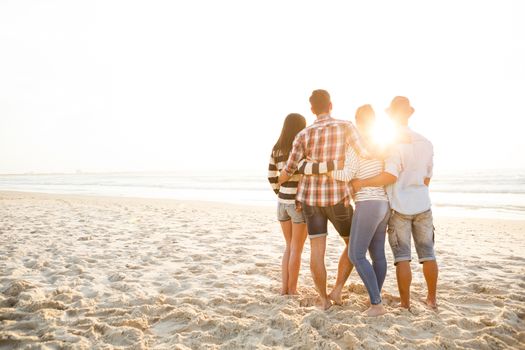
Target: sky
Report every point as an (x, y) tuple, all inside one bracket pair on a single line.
[(205, 85)]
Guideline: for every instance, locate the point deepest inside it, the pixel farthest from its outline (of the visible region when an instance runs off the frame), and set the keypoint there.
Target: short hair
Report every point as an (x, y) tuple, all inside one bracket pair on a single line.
[(364, 113), (320, 101)]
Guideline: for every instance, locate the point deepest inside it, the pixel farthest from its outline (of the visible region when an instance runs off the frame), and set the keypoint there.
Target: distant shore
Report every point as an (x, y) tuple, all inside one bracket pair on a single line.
[(496, 194), (93, 271)]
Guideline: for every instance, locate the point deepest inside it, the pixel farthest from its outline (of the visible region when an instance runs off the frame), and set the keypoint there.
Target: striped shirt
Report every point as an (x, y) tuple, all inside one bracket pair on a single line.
[(287, 192), (325, 140), (360, 168)]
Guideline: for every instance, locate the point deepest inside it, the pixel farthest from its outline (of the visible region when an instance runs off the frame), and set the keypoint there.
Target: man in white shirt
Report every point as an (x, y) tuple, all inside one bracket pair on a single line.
[(407, 173)]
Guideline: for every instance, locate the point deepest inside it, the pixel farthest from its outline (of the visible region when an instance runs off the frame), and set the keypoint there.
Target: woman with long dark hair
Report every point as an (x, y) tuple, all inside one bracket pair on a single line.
[(291, 218)]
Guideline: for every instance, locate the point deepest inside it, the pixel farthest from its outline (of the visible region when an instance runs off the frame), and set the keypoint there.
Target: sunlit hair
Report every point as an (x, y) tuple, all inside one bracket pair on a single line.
[(365, 114), (293, 123), (320, 101)]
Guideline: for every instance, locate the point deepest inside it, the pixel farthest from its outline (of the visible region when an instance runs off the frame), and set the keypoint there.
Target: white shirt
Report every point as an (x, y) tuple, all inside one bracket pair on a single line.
[(411, 162)]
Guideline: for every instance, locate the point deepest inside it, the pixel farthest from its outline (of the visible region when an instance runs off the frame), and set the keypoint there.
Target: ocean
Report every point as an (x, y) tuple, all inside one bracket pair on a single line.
[(489, 193)]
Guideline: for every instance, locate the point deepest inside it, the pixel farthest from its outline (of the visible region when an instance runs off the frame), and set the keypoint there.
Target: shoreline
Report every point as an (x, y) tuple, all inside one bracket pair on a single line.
[(219, 204), (136, 200), (92, 271)]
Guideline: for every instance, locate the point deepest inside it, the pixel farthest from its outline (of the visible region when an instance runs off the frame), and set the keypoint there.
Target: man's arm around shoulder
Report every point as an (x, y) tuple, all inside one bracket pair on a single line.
[(382, 179), (388, 176)]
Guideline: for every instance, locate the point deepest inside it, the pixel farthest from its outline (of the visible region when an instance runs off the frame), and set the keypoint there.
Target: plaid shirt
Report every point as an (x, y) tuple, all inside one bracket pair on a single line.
[(287, 191), (325, 140)]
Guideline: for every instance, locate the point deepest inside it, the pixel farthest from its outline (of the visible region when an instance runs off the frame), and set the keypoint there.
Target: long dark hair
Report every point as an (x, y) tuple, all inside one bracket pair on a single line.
[(293, 123)]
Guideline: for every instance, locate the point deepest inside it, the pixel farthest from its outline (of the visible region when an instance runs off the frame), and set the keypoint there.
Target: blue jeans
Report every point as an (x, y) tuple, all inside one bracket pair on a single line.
[(317, 219), (368, 233), (287, 212)]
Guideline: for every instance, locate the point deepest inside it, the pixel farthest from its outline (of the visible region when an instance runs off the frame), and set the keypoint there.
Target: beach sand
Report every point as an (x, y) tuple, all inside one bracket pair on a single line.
[(95, 272)]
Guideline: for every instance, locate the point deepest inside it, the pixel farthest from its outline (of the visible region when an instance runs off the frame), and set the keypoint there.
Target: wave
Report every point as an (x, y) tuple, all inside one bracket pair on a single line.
[(495, 193), (512, 208)]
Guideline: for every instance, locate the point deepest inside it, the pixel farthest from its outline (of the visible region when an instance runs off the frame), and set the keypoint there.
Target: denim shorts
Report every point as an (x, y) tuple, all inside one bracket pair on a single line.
[(317, 219), (287, 212), (401, 228)]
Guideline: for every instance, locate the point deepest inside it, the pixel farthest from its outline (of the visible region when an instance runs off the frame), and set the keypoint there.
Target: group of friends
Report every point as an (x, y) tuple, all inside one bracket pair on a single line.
[(317, 171)]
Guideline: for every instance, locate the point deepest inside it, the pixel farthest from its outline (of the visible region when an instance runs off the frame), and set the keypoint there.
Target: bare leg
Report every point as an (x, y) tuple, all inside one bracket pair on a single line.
[(404, 279), (287, 232), (294, 262), (318, 269), (343, 272), (430, 270)]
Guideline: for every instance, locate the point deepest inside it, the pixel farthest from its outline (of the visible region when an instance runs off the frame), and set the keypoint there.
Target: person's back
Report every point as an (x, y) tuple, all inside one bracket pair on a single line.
[(324, 198), (291, 220), (408, 173), (287, 191), (411, 163), (324, 141)]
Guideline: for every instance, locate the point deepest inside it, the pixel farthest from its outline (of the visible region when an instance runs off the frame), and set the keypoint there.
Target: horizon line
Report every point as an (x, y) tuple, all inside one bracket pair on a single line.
[(116, 172)]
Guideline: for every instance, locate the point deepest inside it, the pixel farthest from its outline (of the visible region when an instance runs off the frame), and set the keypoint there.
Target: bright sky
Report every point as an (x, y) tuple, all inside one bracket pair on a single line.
[(163, 86)]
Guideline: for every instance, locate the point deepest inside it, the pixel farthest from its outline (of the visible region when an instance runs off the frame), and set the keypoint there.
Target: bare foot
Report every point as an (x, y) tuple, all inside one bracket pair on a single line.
[(430, 303), (336, 297), (324, 304), (375, 310), (404, 306)]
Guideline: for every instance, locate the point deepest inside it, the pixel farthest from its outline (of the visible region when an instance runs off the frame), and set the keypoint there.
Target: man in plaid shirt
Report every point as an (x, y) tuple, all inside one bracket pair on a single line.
[(324, 198)]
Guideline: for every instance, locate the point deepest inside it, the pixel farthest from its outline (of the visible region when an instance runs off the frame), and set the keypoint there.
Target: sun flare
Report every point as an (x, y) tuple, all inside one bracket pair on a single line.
[(383, 132)]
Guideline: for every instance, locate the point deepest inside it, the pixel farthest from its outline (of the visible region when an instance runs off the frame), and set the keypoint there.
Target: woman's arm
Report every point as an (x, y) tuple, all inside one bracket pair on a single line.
[(273, 174), (311, 168)]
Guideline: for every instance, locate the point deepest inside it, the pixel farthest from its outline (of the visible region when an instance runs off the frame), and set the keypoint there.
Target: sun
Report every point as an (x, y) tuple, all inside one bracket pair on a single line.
[(383, 132)]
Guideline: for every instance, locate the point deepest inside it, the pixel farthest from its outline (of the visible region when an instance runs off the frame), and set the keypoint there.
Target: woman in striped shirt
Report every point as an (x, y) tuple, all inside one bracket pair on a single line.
[(370, 217), (292, 221), (289, 213)]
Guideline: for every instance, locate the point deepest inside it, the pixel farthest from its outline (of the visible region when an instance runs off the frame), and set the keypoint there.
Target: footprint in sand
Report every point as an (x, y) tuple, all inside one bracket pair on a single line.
[(170, 288), (45, 304), (17, 287), (133, 266)]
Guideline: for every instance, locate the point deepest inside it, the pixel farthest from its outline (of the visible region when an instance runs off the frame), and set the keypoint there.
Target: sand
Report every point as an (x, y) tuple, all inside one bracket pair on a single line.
[(95, 272)]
